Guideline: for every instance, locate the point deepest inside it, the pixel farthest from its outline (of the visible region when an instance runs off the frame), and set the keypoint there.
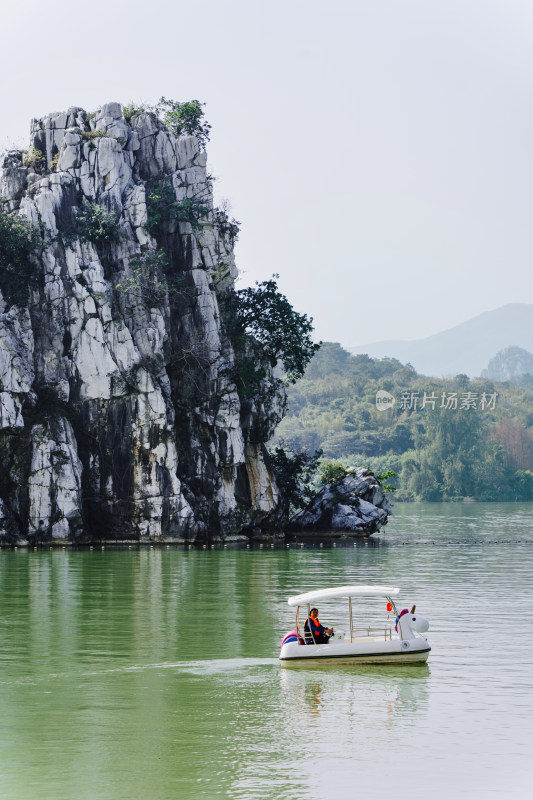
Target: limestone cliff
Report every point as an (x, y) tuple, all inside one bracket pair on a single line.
[(119, 411)]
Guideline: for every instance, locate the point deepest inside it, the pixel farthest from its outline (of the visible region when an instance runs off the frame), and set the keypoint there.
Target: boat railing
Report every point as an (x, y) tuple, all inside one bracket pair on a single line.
[(371, 630)]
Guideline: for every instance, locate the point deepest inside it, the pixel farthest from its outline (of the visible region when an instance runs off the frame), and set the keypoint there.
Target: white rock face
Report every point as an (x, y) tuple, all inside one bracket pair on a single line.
[(54, 483), (118, 404), (16, 365)]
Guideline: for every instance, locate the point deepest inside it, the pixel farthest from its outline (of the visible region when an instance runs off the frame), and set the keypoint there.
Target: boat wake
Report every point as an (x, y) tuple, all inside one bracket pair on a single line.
[(204, 667)]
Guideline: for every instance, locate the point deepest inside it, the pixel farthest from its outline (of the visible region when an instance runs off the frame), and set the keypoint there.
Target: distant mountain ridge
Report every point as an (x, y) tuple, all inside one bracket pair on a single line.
[(467, 348)]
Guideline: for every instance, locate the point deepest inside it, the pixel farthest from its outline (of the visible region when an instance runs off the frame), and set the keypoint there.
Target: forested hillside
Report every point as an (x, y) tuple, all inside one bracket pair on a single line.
[(445, 438)]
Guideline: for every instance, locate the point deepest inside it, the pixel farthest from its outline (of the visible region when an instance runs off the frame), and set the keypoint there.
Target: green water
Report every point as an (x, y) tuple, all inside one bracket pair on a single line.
[(154, 673)]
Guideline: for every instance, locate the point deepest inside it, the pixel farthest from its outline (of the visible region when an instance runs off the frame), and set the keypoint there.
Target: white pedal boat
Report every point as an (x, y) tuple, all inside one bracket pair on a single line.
[(398, 640)]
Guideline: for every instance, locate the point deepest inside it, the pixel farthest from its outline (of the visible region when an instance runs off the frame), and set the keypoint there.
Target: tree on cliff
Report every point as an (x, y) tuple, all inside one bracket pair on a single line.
[(263, 314), (185, 118), (19, 240), (294, 474)]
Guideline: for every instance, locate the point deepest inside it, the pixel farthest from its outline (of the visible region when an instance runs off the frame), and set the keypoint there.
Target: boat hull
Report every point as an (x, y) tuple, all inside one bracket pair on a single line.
[(360, 652)]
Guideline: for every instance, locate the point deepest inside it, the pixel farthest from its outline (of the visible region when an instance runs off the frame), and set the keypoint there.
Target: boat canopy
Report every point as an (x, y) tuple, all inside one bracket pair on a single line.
[(342, 591)]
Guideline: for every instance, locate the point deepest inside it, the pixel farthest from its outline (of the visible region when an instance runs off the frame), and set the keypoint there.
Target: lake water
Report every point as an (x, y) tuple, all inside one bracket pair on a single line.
[(129, 674)]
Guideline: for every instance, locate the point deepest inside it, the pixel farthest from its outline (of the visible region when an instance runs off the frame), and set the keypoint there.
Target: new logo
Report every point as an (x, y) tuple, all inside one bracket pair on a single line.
[(384, 400)]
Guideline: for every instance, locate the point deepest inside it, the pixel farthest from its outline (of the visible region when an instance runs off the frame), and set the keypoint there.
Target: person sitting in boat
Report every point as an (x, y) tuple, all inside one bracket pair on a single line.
[(314, 632)]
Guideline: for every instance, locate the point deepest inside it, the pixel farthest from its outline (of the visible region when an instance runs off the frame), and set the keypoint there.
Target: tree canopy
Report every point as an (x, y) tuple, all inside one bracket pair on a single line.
[(263, 313)]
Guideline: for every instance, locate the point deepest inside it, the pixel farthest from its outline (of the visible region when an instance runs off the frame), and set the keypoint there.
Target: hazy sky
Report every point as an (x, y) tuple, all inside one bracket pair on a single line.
[(378, 153)]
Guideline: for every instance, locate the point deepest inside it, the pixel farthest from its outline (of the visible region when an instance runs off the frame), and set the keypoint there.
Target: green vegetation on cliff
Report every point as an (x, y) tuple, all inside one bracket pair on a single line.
[(19, 269), (262, 324), (445, 439)]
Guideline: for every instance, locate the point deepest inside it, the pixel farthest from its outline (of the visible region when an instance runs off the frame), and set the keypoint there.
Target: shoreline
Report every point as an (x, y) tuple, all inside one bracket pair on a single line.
[(325, 539)]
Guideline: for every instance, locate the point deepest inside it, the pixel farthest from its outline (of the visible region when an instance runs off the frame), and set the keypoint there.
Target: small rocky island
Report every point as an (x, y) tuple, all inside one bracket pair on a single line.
[(134, 403), (355, 504)]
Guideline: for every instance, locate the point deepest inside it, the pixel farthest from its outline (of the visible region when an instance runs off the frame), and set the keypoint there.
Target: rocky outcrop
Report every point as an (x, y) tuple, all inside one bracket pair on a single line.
[(509, 364), (119, 411), (355, 505)]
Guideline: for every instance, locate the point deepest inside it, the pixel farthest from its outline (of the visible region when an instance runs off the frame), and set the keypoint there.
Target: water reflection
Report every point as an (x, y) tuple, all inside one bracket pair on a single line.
[(354, 688)]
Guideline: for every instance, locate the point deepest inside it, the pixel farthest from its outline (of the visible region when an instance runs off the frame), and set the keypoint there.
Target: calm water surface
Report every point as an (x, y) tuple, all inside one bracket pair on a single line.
[(154, 673)]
